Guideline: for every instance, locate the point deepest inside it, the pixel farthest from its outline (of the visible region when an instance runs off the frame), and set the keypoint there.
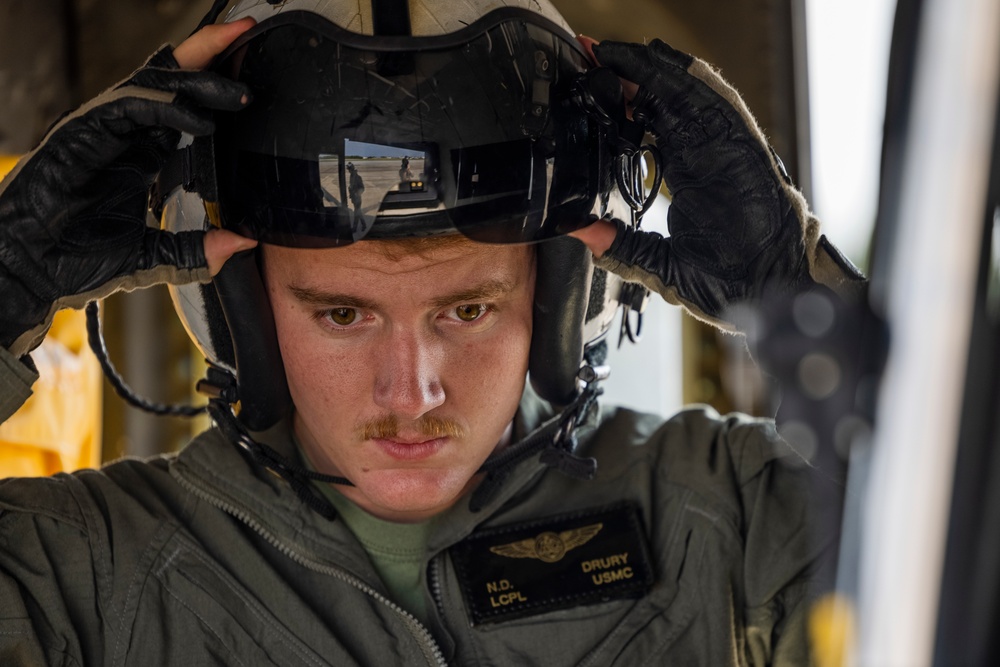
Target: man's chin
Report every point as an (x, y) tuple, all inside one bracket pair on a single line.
[(408, 495)]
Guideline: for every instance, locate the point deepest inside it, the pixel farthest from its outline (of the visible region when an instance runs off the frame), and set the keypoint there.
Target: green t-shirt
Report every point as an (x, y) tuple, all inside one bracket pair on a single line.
[(396, 550)]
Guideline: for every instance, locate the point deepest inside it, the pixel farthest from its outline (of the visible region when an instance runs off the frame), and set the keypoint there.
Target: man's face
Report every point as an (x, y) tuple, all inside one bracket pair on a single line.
[(405, 370)]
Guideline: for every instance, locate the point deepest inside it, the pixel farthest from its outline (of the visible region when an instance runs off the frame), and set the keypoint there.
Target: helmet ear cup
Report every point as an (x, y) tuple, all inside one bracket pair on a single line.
[(260, 373), (562, 296), (219, 336)]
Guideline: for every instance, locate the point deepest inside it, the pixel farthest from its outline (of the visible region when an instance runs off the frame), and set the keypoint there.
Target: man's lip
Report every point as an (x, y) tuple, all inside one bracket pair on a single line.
[(408, 440), (410, 449)]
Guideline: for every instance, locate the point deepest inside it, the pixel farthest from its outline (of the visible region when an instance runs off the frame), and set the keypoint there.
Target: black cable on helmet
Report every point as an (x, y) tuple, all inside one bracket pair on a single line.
[(262, 455), (266, 457), (556, 440), (95, 337), (553, 440)]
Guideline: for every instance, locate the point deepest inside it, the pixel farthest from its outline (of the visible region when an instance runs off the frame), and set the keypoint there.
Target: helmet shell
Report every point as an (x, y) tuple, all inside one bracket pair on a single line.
[(426, 17)]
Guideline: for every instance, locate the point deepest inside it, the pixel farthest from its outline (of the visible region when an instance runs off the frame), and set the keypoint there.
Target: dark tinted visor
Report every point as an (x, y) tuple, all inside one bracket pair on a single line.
[(344, 141)]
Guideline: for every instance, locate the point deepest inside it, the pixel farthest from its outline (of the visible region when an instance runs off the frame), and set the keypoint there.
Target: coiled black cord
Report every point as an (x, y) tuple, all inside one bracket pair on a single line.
[(261, 454), (95, 337)]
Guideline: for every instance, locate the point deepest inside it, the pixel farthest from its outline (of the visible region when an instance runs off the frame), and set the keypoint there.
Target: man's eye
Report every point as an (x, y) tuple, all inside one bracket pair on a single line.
[(343, 316), (470, 312)]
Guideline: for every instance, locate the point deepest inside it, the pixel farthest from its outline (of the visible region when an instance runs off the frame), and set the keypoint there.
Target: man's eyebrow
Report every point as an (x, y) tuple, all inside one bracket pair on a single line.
[(317, 297), (489, 290)]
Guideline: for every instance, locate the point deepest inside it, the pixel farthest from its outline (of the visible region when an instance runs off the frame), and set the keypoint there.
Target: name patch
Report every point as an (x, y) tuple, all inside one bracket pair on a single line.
[(554, 563)]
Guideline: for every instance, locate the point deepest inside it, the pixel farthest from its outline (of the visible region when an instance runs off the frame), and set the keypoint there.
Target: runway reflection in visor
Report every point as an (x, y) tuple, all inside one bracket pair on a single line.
[(343, 143), (377, 182)]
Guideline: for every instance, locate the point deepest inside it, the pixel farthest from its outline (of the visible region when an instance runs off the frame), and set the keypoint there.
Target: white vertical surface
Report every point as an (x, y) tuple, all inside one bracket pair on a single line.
[(929, 309), (848, 55)]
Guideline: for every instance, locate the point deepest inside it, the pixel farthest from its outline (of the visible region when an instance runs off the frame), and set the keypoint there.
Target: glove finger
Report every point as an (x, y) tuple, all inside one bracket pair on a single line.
[(143, 112), (137, 258), (161, 257), (158, 257), (634, 61), (664, 97), (184, 251), (649, 251), (650, 259), (665, 81), (204, 88), (103, 134), (641, 256), (669, 56)]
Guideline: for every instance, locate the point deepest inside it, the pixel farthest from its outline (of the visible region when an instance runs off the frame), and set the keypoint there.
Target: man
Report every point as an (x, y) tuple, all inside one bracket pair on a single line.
[(355, 189), (397, 494), (405, 173)]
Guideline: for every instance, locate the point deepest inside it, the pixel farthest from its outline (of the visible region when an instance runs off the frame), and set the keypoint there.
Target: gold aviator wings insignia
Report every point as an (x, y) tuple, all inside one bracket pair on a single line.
[(548, 546)]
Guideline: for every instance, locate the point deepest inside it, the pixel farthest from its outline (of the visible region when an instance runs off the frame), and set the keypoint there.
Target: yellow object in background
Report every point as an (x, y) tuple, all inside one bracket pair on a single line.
[(7, 163), (59, 427)]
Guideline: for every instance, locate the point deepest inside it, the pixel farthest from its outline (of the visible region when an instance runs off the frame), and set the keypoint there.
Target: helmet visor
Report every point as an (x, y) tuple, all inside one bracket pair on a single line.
[(345, 141)]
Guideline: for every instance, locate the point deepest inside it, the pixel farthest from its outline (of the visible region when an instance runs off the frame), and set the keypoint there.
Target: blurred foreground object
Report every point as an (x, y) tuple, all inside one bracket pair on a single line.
[(919, 551), (832, 630)]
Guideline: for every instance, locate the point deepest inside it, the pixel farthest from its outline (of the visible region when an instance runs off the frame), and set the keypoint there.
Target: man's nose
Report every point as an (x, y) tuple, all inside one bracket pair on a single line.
[(408, 383)]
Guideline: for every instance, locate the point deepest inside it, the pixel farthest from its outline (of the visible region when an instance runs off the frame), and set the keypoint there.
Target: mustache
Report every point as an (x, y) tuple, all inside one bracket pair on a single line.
[(429, 426)]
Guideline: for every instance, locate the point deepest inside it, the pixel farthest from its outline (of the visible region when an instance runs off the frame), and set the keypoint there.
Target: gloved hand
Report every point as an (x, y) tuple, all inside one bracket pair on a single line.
[(73, 211), (738, 228)]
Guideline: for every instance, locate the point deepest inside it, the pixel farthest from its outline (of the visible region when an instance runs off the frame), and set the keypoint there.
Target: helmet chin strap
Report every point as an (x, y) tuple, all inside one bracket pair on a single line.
[(266, 457), (220, 386), (556, 440)]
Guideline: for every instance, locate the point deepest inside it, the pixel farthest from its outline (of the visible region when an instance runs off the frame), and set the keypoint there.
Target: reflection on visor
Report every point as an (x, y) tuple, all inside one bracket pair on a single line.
[(344, 143), (377, 181)]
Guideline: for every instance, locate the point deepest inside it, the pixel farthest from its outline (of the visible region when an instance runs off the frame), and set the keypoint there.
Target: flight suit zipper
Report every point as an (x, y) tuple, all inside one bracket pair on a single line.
[(428, 646), (434, 579)]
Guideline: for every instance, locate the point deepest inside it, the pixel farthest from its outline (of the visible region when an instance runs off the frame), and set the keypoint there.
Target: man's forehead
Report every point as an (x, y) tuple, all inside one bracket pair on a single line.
[(369, 267), (420, 246), (402, 254)]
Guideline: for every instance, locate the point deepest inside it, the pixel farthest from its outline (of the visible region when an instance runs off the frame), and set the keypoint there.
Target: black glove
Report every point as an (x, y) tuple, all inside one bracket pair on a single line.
[(738, 228), (73, 211)]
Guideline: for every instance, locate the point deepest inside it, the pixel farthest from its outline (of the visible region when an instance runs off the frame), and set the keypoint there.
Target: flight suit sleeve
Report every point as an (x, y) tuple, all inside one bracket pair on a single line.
[(15, 383)]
